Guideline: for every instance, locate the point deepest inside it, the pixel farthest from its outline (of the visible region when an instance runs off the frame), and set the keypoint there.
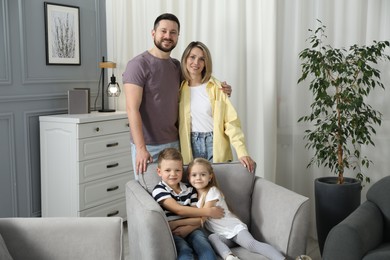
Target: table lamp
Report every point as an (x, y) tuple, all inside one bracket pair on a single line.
[(113, 89)]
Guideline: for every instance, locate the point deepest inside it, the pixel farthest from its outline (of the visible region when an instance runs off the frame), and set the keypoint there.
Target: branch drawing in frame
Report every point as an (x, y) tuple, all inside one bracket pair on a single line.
[(62, 33)]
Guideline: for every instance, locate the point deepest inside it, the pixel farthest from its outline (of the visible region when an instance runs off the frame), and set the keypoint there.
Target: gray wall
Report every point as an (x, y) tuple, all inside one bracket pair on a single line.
[(29, 88)]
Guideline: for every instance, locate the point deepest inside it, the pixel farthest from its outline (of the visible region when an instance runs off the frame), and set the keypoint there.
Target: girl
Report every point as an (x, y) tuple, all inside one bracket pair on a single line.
[(229, 228), (208, 122)]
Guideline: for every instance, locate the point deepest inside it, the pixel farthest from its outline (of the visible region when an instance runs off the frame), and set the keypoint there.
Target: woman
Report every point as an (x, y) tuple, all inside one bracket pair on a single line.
[(208, 122)]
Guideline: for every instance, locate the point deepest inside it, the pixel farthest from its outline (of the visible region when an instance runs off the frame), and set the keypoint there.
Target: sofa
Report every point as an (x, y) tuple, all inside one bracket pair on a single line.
[(61, 238), (274, 215), (365, 233)]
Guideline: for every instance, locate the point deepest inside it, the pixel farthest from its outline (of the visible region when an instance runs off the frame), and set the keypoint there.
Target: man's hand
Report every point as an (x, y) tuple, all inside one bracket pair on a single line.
[(142, 159), (227, 89)]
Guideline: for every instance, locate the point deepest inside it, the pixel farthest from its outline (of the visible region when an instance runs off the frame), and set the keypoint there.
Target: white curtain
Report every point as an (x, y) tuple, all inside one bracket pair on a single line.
[(255, 46)]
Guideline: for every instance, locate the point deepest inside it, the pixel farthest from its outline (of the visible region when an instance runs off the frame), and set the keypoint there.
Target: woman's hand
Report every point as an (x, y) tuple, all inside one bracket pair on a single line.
[(248, 163)]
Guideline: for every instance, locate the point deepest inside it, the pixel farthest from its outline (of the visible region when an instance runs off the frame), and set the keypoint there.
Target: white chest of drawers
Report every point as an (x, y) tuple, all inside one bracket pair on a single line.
[(85, 164)]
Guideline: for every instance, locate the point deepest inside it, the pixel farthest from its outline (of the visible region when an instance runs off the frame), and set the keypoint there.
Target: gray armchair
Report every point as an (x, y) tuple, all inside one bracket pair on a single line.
[(273, 214), (61, 238), (365, 234)]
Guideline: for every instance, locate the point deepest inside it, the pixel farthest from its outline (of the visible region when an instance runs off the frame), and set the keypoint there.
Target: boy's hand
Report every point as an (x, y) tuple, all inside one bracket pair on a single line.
[(216, 212), (173, 225), (183, 231)]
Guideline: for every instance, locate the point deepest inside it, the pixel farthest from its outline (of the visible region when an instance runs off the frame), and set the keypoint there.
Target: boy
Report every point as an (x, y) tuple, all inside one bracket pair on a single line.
[(176, 198)]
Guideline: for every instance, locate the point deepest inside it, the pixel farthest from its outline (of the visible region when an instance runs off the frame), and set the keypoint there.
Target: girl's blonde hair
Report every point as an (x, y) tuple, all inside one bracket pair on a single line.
[(213, 182)]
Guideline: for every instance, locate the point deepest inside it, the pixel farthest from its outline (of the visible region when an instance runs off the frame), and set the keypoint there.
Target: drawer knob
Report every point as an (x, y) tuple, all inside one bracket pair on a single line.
[(128, 125), (112, 188), (112, 165), (97, 129), (114, 213), (112, 144)]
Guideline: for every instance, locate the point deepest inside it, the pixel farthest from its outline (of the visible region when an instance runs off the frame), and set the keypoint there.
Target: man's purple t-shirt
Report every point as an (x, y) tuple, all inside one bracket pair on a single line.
[(160, 80)]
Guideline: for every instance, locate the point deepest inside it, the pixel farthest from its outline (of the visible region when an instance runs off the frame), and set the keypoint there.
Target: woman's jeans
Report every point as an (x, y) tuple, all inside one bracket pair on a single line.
[(202, 145), (196, 243)]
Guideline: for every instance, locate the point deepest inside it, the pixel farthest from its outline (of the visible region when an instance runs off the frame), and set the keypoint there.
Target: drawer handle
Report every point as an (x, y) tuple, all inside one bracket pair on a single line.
[(112, 144), (97, 129), (112, 165), (112, 188), (128, 125), (114, 213)]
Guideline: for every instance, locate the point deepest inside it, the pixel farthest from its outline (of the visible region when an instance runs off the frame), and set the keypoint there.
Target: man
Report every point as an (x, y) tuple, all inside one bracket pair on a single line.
[(151, 85)]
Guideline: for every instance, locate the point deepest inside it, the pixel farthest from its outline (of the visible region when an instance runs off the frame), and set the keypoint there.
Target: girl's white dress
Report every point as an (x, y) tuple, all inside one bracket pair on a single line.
[(228, 226)]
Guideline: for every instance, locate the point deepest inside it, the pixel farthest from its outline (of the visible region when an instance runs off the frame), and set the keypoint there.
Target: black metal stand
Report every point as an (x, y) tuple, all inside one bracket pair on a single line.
[(104, 109)]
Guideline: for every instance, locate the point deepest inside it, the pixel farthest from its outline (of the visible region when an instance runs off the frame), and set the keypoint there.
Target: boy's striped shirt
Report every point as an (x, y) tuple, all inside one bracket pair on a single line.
[(187, 197)]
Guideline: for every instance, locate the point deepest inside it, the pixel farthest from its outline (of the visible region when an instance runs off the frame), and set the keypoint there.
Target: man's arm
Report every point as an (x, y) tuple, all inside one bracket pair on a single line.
[(133, 95), (188, 211)]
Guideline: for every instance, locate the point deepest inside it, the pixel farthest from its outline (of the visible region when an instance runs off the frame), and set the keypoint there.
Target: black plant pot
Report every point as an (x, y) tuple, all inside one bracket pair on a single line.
[(334, 202)]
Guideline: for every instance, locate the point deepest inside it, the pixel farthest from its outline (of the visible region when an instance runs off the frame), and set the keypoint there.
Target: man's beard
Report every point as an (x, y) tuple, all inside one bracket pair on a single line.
[(162, 48)]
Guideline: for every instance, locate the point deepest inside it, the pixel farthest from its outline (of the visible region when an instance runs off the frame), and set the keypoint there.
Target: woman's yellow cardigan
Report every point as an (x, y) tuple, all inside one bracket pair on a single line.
[(227, 127)]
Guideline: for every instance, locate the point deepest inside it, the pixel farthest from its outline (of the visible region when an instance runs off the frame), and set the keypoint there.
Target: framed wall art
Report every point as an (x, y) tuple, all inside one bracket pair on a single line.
[(62, 34)]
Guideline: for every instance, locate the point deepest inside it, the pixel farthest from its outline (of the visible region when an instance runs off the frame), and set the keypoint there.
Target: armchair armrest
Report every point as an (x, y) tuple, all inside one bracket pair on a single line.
[(63, 238), (149, 234), (280, 217), (356, 235)]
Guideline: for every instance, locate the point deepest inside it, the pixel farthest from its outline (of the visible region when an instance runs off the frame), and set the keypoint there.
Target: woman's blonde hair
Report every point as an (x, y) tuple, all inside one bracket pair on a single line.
[(208, 67)]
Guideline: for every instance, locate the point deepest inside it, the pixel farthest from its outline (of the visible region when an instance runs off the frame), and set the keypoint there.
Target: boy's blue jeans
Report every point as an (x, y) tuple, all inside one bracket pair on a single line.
[(196, 243)]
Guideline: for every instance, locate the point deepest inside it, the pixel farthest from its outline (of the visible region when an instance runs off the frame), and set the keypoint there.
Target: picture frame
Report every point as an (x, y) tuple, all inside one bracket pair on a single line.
[(62, 34)]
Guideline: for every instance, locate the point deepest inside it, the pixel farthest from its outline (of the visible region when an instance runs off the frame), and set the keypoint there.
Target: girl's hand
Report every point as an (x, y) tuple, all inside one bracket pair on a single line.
[(248, 163)]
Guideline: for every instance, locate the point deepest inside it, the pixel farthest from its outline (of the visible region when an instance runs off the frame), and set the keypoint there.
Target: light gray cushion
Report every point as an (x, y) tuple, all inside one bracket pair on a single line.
[(150, 178), (4, 254), (237, 185)]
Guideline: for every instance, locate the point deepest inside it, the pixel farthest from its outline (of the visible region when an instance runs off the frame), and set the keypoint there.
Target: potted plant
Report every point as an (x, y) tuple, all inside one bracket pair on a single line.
[(342, 120)]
